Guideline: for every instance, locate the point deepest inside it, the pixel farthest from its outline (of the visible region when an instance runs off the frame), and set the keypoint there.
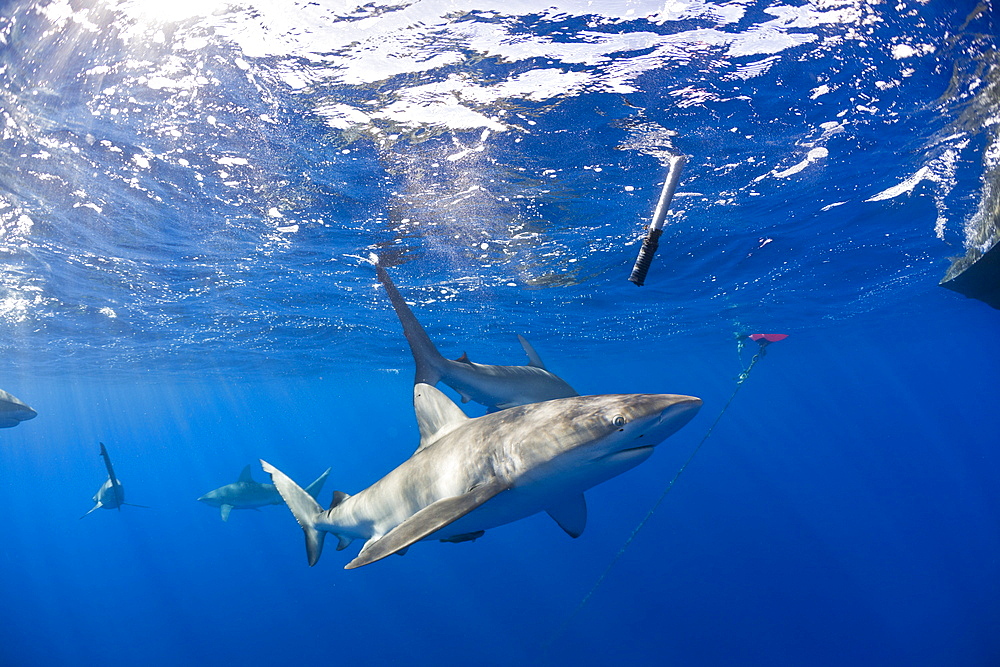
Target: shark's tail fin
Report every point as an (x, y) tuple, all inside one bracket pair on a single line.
[(426, 356), (305, 508), (317, 486)]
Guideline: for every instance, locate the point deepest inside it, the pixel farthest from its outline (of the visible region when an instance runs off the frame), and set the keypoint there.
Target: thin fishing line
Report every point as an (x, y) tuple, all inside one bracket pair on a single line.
[(600, 580)]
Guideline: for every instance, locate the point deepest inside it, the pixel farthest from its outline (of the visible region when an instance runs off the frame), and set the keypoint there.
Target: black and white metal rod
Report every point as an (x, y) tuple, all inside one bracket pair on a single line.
[(652, 240)]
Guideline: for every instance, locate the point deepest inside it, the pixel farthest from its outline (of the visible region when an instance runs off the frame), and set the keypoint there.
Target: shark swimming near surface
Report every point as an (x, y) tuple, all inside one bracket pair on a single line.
[(13, 411), (496, 387), (469, 475), (111, 495), (248, 494)]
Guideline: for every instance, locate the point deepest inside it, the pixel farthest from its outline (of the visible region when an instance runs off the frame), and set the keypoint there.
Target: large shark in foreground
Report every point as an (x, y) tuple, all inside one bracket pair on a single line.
[(13, 411), (496, 387), (472, 474), (248, 494), (111, 495)]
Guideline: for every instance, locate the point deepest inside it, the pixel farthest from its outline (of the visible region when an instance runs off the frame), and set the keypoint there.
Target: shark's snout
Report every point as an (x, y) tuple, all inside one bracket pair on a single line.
[(678, 412), (672, 412), (681, 410)]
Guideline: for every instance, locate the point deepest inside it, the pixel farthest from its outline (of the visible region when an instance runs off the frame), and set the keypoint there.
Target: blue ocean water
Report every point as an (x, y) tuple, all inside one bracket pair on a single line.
[(187, 195)]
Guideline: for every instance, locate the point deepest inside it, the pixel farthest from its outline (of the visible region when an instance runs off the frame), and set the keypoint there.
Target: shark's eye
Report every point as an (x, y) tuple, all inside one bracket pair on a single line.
[(618, 421)]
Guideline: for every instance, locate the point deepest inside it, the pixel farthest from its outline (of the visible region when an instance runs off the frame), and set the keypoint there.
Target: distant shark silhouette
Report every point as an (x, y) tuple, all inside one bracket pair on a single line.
[(496, 387), (472, 474), (247, 494), (13, 411), (111, 495)]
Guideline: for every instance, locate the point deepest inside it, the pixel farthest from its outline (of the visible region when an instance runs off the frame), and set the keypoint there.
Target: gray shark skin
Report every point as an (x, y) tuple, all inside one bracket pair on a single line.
[(247, 494), (111, 495), (13, 411), (496, 387), (472, 474)]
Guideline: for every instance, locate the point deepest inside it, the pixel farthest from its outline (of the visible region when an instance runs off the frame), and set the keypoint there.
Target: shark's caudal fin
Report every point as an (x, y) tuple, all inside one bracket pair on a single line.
[(317, 486), (304, 507), (115, 484), (424, 353)]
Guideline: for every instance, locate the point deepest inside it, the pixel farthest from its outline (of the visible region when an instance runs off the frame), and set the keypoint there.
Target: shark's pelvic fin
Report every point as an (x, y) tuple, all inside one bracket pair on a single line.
[(226, 509), (303, 506), (245, 475), (571, 514), (430, 519), (533, 358), (436, 413), (464, 537)]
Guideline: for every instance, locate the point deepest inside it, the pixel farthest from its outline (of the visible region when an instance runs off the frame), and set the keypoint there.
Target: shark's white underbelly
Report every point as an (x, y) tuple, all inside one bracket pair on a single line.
[(544, 491)]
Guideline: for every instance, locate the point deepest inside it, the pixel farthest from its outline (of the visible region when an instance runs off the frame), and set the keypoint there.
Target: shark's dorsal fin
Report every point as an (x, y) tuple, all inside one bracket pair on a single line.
[(464, 359), (571, 514), (245, 475), (430, 519), (533, 358), (436, 413)]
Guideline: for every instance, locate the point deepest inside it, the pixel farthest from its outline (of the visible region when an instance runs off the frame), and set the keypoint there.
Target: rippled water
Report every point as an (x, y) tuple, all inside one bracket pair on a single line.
[(201, 178)]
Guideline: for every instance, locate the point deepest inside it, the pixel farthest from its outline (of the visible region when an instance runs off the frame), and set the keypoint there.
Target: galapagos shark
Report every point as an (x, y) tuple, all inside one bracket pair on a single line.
[(472, 474), (248, 494), (13, 411), (111, 495), (496, 387)]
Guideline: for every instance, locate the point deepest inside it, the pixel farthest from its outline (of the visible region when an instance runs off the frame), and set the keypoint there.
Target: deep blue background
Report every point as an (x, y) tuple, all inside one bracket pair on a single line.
[(843, 511)]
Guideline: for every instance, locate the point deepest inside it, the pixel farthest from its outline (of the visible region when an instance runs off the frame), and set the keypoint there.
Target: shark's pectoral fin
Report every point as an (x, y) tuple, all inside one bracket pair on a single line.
[(225, 510), (571, 514), (430, 519), (97, 506), (533, 358)]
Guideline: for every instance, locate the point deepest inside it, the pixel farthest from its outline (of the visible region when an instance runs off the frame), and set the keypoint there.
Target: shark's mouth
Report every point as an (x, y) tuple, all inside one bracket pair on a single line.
[(640, 452), (636, 449)]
